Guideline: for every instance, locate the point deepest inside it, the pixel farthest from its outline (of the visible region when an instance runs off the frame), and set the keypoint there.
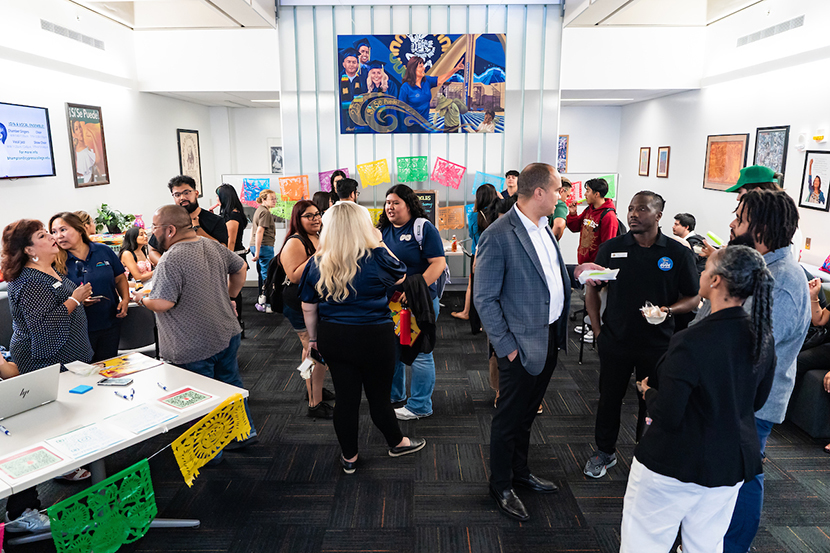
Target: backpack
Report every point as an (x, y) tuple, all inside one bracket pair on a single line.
[(274, 281), (621, 228), (444, 279)]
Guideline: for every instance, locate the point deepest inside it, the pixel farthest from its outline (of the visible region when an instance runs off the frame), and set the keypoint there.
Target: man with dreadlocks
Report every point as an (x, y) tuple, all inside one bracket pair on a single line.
[(766, 220)]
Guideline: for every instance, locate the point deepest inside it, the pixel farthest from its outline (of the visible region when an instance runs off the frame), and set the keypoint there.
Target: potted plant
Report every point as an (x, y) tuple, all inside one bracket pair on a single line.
[(112, 220)]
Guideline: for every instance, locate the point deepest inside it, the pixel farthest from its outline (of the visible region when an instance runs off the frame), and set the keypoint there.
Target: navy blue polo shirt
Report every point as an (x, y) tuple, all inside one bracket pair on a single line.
[(100, 268), (659, 274), (366, 303), (401, 241)]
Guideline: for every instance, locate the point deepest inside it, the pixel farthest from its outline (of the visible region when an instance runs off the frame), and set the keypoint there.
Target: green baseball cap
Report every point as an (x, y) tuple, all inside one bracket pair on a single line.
[(754, 174)]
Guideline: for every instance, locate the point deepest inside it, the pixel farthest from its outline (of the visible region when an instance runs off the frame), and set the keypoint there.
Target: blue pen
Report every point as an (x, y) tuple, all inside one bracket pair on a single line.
[(125, 396), (162, 386), (5, 430)]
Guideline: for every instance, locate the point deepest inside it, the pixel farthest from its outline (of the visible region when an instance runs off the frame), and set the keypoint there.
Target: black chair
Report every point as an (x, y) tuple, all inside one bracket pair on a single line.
[(5, 320), (139, 332)]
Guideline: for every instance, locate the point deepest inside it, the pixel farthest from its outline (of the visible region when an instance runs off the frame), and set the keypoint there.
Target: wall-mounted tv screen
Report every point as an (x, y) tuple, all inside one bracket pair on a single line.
[(25, 142)]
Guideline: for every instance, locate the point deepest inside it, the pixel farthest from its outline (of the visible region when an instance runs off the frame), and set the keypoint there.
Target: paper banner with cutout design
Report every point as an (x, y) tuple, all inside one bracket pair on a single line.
[(576, 192), (251, 189), (107, 515), (375, 213), (2, 530), (451, 218), (283, 209), (447, 173), (373, 173), (612, 186), (413, 169), (294, 188), (325, 178), (495, 180), (202, 441)]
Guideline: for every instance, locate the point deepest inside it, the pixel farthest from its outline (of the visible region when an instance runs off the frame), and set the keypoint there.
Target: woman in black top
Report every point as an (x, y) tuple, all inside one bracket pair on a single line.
[(702, 444), (233, 213)]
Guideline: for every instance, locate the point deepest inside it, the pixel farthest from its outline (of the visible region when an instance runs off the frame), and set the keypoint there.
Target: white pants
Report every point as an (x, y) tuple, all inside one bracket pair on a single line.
[(655, 505)]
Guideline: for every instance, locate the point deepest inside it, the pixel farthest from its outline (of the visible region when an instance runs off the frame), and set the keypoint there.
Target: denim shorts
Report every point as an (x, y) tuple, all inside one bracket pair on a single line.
[(294, 317)]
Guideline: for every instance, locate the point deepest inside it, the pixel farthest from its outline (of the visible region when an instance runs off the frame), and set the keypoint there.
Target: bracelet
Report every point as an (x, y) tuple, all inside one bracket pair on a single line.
[(669, 311), (816, 300), (76, 301)]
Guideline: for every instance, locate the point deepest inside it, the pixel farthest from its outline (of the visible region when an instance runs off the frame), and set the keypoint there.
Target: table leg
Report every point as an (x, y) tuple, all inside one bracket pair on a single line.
[(99, 471), (157, 523)]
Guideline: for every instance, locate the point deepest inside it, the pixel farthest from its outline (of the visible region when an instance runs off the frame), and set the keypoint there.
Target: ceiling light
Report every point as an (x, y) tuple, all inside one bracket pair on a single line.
[(597, 99)]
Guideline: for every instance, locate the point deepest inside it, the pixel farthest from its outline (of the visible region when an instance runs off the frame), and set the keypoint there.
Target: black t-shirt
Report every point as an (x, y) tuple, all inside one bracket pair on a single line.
[(243, 222), (660, 274), (212, 224)]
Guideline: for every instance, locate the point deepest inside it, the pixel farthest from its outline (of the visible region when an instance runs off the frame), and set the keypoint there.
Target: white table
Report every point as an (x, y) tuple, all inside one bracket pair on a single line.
[(816, 272)]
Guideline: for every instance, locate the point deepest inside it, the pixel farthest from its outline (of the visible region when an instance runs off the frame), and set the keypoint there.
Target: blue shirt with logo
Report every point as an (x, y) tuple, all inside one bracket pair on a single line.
[(401, 241), (100, 268)]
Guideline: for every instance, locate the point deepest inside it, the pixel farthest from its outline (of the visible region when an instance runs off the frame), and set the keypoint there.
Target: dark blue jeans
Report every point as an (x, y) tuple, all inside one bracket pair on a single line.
[(747, 515), (223, 367)]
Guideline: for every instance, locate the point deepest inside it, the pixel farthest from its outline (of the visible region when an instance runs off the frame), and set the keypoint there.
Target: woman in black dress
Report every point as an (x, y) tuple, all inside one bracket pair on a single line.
[(231, 210)]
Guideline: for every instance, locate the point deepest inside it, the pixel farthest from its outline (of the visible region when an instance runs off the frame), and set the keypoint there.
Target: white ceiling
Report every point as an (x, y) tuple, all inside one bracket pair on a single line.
[(659, 13), (227, 99), (186, 14), (612, 97)]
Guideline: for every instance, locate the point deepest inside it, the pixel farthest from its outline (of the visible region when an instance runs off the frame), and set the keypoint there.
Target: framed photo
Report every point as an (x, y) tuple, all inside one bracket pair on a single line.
[(771, 148), (814, 181), (275, 156), (190, 162), (89, 149), (663, 161), (562, 154), (645, 161), (725, 157)]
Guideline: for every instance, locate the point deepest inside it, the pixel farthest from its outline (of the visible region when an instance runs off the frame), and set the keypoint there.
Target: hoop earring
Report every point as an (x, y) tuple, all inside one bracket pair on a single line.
[(35, 259)]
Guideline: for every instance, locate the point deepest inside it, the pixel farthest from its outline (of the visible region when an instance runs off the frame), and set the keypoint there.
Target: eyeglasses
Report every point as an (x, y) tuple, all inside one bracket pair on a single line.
[(178, 195), (312, 216), (153, 227)]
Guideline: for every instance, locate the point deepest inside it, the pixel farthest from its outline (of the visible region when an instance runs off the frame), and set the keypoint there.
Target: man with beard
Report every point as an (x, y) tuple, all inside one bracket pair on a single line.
[(653, 268), (198, 329), (205, 223)]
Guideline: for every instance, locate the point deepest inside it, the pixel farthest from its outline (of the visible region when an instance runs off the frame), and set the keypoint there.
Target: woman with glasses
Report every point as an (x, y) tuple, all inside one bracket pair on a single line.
[(96, 264), (301, 242)]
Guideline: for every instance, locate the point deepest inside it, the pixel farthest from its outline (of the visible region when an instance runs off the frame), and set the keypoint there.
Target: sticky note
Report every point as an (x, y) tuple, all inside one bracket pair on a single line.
[(82, 389)]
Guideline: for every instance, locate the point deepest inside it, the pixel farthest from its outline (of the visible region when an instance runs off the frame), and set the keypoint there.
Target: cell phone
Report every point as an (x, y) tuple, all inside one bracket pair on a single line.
[(314, 354), (124, 381), (97, 298)]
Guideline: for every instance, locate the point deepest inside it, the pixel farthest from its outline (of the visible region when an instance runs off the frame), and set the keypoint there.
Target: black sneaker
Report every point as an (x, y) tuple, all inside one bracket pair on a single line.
[(328, 395), (415, 444), (321, 411), (348, 466)]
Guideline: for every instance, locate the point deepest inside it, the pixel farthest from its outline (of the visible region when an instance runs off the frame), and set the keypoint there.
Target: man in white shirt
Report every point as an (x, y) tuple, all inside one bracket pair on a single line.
[(347, 191)]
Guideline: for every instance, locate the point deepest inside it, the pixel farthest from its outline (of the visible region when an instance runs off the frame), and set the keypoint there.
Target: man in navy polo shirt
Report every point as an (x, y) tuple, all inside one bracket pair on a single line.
[(653, 268)]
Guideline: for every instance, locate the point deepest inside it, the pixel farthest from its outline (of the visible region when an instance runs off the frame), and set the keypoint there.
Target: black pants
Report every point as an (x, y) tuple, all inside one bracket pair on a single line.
[(19, 502), (520, 394), (616, 363), (475, 320), (105, 342), (360, 357), (812, 359)]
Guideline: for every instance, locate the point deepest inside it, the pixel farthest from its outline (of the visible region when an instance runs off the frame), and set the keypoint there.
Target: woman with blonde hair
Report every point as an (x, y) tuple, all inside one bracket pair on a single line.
[(344, 286), (264, 235)]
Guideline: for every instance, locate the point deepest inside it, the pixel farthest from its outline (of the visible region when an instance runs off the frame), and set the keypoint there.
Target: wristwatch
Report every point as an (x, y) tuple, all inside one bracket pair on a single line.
[(668, 312)]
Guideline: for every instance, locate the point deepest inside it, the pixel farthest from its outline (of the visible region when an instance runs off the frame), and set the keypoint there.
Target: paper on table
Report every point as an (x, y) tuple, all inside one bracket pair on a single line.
[(29, 461), (85, 440), (141, 418), (184, 398), (82, 369), (603, 275)]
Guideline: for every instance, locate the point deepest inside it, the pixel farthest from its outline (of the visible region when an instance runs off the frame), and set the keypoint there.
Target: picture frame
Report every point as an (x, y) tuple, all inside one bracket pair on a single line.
[(562, 154), (725, 157), (87, 145), (276, 157), (771, 148), (645, 161), (815, 178), (190, 159), (663, 155)]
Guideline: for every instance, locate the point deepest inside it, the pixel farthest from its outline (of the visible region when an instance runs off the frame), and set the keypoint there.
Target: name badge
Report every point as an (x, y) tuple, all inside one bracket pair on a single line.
[(615, 255), (57, 285)]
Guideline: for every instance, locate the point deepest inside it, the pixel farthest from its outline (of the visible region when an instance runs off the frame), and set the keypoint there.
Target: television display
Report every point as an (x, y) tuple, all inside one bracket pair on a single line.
[(25, 142)]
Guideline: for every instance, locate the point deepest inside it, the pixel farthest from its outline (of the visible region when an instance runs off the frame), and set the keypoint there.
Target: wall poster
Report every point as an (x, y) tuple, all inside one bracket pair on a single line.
[(814, 181), (771, 148), (190, 163), (89, 149), (421, 83), (725, 157)]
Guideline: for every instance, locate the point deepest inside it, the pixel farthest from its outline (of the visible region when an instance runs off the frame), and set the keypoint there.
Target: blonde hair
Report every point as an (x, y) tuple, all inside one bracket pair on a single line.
[(384, 81), (347, 237), (264, 194), (85, 217)]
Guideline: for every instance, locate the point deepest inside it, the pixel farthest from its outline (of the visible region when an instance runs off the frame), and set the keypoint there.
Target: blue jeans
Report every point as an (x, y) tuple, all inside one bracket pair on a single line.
[(423, 379), (223, 367), (747, 515), (266, 254)]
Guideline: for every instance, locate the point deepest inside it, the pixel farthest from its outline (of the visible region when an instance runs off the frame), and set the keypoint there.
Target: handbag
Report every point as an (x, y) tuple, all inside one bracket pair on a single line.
[(816, 336)]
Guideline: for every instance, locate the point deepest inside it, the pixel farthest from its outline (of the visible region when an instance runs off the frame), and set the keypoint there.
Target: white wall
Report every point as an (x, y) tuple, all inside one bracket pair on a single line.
[(593, 138)]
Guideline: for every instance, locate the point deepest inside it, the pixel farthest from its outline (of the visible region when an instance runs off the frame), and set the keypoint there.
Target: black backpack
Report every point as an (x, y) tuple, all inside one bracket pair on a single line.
[(621, 228), (272, 289)]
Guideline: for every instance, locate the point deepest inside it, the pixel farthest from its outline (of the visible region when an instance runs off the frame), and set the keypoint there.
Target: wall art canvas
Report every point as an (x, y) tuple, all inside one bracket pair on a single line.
[(663, 161), (771, 148), (89, 149), (725, 157), (189, 162), (814, 181), (460, 88), (645, 161), (562, 154)]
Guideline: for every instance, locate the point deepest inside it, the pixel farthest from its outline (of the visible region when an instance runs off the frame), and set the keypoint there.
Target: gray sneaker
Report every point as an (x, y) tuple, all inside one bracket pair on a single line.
[(597, 465), (29, 521)]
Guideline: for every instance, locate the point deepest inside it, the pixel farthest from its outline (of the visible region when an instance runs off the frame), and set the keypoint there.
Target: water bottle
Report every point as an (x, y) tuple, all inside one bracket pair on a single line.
[(406, 327), (454, 243)]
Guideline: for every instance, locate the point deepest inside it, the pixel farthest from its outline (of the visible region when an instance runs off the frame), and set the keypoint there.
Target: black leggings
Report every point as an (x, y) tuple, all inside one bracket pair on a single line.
[(19, 502), (360, 357)]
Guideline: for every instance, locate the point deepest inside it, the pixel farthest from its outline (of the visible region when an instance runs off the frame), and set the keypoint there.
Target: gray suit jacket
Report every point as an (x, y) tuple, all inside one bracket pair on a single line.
[(511, 294)]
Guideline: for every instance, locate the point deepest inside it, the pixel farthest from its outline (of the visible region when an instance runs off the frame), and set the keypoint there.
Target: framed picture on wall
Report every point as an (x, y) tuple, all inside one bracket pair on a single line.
[(663, 161), (89, 149), (562, 154), (771, 148), (275, 158), (814, 181), (645, 161), (190, 162), (725, 157)]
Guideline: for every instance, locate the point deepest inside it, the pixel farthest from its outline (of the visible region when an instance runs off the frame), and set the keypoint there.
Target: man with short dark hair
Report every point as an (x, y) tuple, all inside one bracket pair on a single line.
[(559, 218), (596, 224), (511, 183), (348, 191), (653, 268), (522, 290), (684, 227)]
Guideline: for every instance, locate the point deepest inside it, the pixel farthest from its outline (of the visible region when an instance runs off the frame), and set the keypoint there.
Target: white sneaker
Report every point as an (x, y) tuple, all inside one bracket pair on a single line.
[(261, 300), (268, 308), (29, 521), (404, 414), (588, 338), (578, 329)]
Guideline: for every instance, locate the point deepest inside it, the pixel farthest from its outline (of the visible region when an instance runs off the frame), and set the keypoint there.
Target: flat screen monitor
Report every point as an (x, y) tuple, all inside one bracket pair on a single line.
[(25, 142)]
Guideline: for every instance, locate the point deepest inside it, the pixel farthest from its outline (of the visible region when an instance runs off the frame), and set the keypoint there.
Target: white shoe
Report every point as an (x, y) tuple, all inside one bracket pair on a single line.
[(29, 521), (261, 300), (268, 309), (404, 414), (588, 338), (578, 329)]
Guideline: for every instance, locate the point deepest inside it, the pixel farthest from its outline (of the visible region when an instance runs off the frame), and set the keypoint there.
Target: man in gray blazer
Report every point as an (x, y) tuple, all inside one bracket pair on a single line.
[(522, 293)]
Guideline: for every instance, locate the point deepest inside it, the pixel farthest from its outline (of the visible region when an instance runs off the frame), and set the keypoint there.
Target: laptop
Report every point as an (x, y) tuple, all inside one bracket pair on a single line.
[(28, 391)]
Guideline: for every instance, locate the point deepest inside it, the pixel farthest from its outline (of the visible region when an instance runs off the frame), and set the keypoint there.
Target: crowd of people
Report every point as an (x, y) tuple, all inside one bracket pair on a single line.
[(709, 395)]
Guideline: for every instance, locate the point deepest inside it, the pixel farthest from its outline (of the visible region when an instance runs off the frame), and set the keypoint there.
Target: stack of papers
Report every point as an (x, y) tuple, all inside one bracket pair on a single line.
[(602, 275)]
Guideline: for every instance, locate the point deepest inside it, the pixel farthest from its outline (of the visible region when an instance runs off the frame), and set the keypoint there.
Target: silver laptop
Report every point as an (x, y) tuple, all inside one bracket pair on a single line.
[(29, 390)]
